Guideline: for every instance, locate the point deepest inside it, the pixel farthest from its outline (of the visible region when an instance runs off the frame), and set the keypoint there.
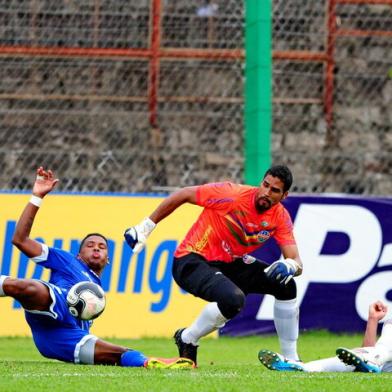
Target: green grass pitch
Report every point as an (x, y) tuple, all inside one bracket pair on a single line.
[(225, 364)]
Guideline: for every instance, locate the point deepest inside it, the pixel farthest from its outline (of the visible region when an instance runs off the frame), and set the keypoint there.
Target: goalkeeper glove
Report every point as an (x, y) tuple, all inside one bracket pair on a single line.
[(136, 236), (282, 270)]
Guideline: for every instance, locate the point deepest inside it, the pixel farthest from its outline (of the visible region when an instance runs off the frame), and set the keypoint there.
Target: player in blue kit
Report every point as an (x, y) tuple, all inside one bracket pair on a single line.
[(56, 333)]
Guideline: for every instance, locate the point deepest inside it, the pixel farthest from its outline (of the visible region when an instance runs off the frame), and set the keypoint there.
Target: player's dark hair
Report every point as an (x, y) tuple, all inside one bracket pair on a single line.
[(89, 235), (283, 173)]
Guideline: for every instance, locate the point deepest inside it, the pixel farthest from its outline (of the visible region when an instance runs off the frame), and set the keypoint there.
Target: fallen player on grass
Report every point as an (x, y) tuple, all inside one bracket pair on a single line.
[(374, 356)]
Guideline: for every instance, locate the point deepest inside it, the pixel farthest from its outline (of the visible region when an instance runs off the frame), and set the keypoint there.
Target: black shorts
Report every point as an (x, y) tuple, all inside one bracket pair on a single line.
[(197, 276)]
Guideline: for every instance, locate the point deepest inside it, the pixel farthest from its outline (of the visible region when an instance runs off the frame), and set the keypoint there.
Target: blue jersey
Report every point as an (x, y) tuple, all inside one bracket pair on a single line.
[(67, 270), (56, 333)]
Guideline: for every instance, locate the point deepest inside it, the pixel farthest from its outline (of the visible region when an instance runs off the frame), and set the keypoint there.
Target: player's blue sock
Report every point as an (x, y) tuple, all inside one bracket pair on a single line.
[(133, 358)]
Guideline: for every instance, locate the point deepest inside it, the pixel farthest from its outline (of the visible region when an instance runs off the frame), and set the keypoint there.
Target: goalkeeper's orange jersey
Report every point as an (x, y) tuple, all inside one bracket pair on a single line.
[(230, 226)]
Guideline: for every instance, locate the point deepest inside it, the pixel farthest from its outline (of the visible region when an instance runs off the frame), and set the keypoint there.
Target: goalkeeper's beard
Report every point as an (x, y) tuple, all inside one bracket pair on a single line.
[(263, 207)]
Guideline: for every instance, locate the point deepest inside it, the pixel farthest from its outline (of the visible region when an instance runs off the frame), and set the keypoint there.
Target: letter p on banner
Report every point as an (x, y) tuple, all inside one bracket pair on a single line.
[(312, 225)]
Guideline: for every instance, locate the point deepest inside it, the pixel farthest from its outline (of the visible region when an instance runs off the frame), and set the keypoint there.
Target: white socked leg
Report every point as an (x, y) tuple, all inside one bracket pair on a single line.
[(209, 320), (333, 364), (286, 319)]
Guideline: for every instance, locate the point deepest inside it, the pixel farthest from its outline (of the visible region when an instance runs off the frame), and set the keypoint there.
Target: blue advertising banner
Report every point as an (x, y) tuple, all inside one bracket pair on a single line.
[(346, 247), (345, 244)]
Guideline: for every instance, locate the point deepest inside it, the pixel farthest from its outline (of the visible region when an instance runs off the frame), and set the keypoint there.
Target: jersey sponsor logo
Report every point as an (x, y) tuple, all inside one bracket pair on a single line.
[(218, 201), (263, 235), (201, 244), (248, 259), (251, 225), (226, 248)]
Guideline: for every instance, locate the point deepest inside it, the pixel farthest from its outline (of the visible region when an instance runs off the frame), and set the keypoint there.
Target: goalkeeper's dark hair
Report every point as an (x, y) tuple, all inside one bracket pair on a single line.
[(89, 235), (283, 173)]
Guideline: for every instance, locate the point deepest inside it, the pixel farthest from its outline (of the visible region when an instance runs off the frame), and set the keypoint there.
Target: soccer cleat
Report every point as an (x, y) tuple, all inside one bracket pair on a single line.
[(357, 358), (274, 361), (185, 350), (169, 363)]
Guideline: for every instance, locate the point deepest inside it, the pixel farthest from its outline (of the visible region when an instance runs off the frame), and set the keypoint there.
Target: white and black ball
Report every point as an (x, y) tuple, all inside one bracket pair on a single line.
[(86, 300)]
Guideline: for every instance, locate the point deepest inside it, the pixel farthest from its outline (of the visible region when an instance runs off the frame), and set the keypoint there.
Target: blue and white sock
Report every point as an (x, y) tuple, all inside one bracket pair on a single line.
[(133, 358)]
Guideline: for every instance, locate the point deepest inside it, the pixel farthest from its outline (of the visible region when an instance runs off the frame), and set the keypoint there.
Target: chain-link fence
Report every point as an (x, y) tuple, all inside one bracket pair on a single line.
[(87, 89), (332, 109), (146, 95)]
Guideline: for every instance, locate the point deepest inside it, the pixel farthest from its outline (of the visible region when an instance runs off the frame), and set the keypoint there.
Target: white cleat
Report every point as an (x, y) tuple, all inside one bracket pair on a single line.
[(360, 358), (275, 361)]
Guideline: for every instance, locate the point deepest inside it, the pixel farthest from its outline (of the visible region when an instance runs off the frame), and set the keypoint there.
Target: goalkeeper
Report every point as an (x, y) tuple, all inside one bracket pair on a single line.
[(56, 333), (212, 262)]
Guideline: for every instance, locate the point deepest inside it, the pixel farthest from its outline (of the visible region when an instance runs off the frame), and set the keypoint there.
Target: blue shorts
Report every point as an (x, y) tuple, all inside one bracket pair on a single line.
[(56, 333)]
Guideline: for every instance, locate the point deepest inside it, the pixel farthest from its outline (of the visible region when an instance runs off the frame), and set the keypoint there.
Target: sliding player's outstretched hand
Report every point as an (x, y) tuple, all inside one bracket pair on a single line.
[(282, 270), (136, 236), (377, 310), (44, 182)]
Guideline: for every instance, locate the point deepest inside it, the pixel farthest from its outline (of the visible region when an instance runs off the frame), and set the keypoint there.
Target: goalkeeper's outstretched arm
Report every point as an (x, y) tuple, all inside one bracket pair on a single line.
[(172, 202), (136, 236)]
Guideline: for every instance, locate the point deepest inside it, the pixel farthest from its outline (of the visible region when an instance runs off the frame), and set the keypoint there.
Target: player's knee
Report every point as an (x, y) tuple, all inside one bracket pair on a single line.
[(15, 287), (286, 291), (232, 303), (22, 288)]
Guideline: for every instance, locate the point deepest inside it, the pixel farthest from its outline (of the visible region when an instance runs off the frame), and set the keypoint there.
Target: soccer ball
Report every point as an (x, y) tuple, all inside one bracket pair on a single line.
[(86, 300)]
